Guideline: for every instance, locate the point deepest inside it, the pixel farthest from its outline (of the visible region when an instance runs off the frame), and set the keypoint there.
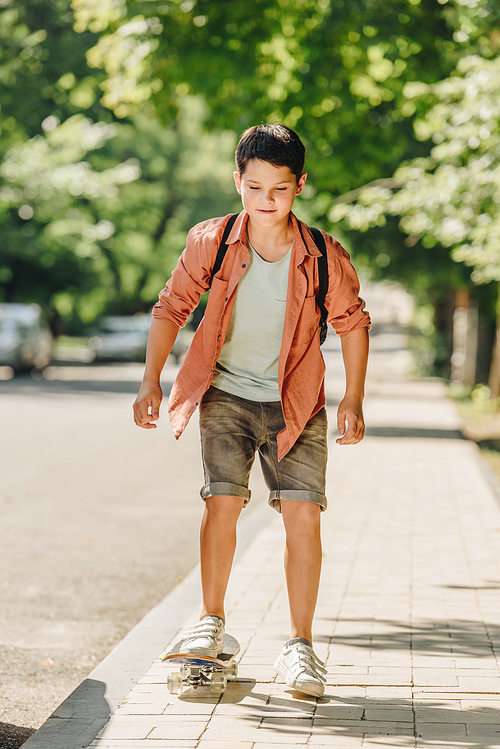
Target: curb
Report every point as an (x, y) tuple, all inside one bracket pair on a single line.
[(78, 720)]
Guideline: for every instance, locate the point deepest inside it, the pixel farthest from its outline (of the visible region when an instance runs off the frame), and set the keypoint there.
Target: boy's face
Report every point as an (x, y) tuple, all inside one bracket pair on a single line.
[(268, 191)]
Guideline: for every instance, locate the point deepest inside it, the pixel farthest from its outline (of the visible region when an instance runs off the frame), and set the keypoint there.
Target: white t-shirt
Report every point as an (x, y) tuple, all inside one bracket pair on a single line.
[(248, 362)]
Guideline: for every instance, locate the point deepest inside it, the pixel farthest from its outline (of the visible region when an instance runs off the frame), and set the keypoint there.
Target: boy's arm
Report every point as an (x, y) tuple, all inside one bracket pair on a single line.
[(161, 339), (355, 355)]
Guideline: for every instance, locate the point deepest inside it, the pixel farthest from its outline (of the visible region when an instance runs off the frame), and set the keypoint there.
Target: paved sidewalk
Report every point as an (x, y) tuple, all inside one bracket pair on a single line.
[(408, 618)]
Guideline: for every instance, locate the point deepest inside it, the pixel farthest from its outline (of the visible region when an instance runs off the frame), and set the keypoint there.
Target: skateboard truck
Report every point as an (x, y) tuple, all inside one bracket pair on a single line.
[(198, 671), (196, 676)]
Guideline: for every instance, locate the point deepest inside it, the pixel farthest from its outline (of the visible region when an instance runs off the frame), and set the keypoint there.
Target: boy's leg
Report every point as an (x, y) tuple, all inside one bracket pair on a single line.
[(297, 490), (303, 556), (217, 547)]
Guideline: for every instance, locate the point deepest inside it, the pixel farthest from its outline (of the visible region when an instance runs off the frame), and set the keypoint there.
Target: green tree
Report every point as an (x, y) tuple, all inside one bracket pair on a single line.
[(448, 201), (335, 69), (93, 211), (176, 80), (83, 233)]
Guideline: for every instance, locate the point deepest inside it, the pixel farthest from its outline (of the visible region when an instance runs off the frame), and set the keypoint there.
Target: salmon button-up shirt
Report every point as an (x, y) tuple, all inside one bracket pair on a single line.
[(301, 366)]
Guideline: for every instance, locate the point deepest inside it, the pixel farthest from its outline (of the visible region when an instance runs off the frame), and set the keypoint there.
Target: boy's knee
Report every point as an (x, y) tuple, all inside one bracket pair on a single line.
[(304, 517), (223, 506)]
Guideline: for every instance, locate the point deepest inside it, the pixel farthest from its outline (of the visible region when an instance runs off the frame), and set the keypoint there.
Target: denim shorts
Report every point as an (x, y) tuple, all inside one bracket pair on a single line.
[(232, 430)]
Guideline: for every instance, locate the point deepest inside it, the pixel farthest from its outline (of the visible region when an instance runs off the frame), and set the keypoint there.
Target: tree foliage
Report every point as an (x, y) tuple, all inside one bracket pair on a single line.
[(452, 196), (124, 132)]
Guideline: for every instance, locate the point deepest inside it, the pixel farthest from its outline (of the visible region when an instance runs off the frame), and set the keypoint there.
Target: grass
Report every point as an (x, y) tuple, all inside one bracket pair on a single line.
[(481, 422)]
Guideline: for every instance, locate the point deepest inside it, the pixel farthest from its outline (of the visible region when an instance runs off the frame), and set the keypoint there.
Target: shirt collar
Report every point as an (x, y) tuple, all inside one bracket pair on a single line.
[(304, 241)]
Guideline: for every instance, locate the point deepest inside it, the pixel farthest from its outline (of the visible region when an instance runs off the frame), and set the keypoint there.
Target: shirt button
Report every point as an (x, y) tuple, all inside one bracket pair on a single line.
[(244, 265)]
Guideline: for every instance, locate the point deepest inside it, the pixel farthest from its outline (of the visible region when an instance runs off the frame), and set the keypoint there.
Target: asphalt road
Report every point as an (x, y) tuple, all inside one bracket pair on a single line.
[(99, 521)]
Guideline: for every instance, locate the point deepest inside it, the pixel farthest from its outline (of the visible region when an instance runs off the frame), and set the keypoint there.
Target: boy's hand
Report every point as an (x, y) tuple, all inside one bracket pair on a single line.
[(350, 421), (147, 405)]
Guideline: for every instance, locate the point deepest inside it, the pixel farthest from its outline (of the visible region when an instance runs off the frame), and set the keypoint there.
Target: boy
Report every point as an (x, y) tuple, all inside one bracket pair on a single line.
[(256, 371)]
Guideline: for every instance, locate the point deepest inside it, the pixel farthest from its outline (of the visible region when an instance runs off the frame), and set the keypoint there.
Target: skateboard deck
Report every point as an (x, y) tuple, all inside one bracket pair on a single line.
[(203, 670)]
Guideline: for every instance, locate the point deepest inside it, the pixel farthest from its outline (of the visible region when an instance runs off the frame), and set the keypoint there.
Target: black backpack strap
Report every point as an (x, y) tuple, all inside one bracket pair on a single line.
[(221, 252), (322, 272)]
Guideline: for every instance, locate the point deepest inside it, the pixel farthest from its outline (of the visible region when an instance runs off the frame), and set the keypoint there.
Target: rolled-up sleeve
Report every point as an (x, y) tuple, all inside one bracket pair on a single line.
[(346, 309)]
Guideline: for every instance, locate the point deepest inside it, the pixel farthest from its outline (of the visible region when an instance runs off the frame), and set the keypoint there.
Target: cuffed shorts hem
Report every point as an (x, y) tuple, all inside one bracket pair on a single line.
[(292, 495), (225, 489)]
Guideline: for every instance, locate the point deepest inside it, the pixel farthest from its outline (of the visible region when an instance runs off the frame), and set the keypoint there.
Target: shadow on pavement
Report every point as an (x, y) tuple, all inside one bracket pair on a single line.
[(77, 721), (455, 638), (414, 433), (12, 737), (236, 692), (390, 722), (25, 385)]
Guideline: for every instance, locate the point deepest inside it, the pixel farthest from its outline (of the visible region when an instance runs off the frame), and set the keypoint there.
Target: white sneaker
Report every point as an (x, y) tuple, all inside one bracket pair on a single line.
[(300, 668), (204, 638)]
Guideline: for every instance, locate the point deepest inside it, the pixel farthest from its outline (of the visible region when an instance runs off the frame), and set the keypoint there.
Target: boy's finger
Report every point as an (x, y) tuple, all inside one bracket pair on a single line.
[(351, 434), (342, 423), (355, 435), (343, 427), (145, 414)]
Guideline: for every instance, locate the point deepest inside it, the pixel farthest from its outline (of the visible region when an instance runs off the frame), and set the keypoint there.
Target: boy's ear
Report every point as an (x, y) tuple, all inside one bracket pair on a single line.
[(237, 181), (301, 183)]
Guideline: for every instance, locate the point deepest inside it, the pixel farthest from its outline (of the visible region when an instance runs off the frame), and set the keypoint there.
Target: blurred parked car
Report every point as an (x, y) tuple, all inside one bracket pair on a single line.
[(25, 338), (124, 338)]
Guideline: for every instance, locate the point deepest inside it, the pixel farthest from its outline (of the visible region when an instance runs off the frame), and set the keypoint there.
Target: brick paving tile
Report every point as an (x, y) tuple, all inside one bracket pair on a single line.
[(434, 662), (390, 742), (151, 690), (146, 744), (369, 680), (348, 692), (374, 726), (389, 693), (235, 744), (457, 696), (441, 730), (193, 707), (140, 709), (484, 729), (486, 704), (426, 677), (179, 730), (336, 742), (389, 713), (228, 729), (479, 684), (163, 727), (442, 715), (340, 712), (425, 744)]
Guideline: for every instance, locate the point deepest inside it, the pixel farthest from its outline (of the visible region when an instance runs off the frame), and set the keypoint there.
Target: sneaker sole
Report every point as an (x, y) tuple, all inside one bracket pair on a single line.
[(202, 652), (310, 689)]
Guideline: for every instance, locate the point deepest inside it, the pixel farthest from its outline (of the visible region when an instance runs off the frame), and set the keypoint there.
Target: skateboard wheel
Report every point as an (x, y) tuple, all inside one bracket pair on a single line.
[(232, 670), (218, 683), (174, 683)]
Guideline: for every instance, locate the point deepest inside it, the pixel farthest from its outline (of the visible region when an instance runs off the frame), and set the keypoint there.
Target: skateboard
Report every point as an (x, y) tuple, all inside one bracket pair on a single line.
[(203, 670)]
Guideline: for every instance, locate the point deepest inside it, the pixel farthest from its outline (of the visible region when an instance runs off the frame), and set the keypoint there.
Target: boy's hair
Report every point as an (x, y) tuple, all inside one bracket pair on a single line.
[(277, 144)]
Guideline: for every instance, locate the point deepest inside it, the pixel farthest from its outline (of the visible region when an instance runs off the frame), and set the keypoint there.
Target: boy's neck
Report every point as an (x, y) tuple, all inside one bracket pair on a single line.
[(272, 242)]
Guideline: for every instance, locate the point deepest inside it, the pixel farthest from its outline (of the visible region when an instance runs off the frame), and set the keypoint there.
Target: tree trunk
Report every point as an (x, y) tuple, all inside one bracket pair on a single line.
[(494, 376)]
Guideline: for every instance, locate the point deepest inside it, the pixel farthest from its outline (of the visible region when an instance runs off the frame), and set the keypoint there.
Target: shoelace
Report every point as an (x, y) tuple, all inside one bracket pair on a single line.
[(202, 629), (309, 662)]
